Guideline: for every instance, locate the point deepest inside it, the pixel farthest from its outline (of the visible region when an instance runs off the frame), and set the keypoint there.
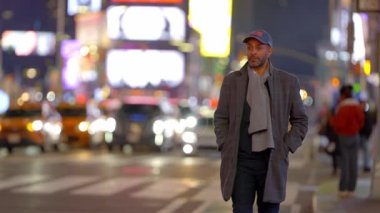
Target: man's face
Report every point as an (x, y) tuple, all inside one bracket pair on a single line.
[(257, 53)]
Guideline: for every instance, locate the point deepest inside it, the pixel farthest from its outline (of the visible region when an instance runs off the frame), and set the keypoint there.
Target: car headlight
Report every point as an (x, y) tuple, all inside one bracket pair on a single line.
[(34, 126), (191, 122), (102, 125), (158, 127), (166, 127), (83, 126), (97, 125), (189, 137), (53, 128), (110, 124), (170, 126), (186, 123), (188, 149)]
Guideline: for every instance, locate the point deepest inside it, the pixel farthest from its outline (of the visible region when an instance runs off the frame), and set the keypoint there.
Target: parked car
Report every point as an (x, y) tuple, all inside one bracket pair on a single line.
[(143, 122), (29, 124)]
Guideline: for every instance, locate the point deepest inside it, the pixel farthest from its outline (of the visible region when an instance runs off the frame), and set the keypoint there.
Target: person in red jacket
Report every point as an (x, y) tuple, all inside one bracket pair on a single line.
[(347, 122)]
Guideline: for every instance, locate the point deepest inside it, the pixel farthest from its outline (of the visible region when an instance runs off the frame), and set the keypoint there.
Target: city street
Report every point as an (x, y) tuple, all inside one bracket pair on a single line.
[(111, 106), (99, 181)]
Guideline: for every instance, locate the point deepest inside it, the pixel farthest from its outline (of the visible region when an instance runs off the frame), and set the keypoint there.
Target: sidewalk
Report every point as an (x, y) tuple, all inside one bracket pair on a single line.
[(326, 199)]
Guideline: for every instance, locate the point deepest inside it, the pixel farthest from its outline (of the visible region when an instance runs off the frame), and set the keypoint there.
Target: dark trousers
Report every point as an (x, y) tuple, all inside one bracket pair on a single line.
[(349, 162), (249, 182)]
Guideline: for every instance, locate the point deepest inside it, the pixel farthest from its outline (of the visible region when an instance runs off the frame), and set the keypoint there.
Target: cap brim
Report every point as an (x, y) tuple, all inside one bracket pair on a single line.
[(254, 37)]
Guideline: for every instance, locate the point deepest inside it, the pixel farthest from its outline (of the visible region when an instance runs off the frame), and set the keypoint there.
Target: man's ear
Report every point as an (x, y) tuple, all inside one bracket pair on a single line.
[(269, 51)]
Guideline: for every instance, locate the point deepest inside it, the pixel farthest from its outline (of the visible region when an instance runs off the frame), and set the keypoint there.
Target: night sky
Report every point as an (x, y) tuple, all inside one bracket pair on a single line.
[(29, 15), (36, 15)]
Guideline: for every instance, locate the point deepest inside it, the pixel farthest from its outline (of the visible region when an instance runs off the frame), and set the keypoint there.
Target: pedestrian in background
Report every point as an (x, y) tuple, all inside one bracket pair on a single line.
[(365, 132), (333, 147), (255, 107), (347, 122)]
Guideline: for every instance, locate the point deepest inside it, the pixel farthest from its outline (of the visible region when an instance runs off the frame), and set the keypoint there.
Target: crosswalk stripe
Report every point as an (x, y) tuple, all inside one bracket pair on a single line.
[(21, 180), (202, 208), (167, 188), (173, 206), (210, 193), (110, 187), (55, 185)]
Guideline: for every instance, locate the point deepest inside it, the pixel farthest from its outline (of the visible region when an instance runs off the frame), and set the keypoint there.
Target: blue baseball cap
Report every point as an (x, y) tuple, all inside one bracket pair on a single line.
[(260, 35)]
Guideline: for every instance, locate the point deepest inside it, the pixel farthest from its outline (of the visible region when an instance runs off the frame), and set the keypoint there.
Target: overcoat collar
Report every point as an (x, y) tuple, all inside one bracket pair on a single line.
[(241, 88)]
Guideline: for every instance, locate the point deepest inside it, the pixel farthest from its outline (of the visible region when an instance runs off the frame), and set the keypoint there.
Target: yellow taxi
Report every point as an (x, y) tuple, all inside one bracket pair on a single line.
[(74, 131), (83, 125), (26, 125)]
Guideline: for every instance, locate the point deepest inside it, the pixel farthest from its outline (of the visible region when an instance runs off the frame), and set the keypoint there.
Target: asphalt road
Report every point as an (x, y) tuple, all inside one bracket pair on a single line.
[(98, 181)]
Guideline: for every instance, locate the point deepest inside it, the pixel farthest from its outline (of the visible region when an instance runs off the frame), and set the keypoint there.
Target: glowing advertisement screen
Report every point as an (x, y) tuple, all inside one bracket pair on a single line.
[(149, 1), (151, 23), (25, 43), (215, 29), (80, 6), (70, 52), (142, 68), (4, 101)]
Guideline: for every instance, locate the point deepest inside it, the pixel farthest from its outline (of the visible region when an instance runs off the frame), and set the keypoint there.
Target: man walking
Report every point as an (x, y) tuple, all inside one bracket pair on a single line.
[(255, 107)]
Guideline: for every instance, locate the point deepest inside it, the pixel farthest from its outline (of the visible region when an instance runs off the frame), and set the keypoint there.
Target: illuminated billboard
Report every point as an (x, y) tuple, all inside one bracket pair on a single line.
[(78, 64), (91, 29), (25, 43), (215, 29), (149, 1), (70, 52), (150, 23), (140, 68), (82, 6)]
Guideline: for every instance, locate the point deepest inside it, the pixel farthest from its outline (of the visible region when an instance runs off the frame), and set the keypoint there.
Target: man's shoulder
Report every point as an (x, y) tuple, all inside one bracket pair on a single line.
[(237, 73), (284, 74), (233, 74)]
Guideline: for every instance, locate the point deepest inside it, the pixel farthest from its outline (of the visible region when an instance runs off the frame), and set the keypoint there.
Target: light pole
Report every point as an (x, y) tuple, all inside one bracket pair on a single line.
[(60, 30), (60, 34)]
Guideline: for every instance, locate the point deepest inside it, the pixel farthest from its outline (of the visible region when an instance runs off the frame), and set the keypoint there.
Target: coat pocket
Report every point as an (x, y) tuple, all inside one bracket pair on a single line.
[(284, 148)]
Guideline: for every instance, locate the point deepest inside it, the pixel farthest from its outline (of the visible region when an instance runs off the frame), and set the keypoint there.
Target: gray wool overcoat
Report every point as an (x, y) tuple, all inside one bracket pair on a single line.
[(286, 108)]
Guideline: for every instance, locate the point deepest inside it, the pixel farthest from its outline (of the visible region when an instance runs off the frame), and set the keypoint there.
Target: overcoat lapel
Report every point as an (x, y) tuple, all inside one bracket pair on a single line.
[(241, 92), (271, 85)]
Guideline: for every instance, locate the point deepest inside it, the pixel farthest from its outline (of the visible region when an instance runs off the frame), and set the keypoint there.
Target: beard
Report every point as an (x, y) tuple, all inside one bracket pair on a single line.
[(255, 63)]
